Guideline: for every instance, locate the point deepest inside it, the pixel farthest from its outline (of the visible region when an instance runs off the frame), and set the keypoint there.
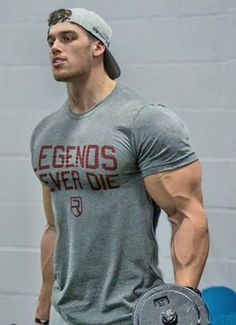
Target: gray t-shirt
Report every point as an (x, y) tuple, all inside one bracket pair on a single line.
[(94, 163)]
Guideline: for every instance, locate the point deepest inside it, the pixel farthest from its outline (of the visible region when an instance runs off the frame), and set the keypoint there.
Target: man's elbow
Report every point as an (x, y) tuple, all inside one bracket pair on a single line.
[(192, 214)]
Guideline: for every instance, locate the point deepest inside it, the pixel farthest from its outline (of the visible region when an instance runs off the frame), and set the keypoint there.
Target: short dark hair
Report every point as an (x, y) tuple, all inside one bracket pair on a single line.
[(58, 15), (61, 15)]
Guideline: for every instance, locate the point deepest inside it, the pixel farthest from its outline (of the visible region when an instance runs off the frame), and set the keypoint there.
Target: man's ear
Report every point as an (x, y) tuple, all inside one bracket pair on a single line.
[(99, 48)]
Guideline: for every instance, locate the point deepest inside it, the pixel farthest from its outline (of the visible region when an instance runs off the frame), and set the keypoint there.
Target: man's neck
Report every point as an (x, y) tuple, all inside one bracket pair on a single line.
[(83, 95)]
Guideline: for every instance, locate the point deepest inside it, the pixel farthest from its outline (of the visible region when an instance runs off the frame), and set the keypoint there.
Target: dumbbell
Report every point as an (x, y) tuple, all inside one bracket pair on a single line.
[(170, 304)]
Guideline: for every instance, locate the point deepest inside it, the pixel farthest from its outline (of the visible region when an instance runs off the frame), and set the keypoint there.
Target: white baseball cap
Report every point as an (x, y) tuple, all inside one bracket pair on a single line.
[(95, 25)]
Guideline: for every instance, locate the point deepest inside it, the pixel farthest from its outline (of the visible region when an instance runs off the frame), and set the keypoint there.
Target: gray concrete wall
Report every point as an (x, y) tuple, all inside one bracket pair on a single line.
[(179, 53)]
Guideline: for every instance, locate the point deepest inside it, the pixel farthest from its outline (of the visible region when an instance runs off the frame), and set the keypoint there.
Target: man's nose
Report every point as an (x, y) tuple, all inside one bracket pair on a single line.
[(56, 47)]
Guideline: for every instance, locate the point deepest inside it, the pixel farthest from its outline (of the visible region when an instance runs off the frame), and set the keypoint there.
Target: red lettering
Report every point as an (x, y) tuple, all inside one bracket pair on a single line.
[(65, 180), (92, 156), (76, 179), (103, 181), (79, 156), (43, 178), (56, 155), (43, 156), (110, 181), (69, 156), (56, 181), (94, 181), (106, 154)]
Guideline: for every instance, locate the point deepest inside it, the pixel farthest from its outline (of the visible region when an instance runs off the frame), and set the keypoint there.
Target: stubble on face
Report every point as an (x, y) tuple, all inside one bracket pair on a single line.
[(76, 53), (75, 69)]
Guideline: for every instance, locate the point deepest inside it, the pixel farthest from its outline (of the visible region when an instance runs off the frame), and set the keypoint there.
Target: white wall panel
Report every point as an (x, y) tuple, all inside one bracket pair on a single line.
[(230, 81), (20, 271), (219, 184), (212, 132), (221, 225), (231, 33), (18, 182), (36, 90), (19, 310), (182, 85), (23, 225), (219, 272), (114, 9)]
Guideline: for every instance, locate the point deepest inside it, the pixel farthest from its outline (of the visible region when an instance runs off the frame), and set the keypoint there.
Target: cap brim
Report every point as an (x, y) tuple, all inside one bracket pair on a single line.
[(111, 66)]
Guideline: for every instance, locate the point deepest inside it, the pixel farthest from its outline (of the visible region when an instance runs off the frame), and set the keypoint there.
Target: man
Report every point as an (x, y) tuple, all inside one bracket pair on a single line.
[(108, 162)]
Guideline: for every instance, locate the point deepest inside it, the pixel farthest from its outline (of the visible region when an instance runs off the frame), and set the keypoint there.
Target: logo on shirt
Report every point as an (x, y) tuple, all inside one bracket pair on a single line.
[(76, 205)]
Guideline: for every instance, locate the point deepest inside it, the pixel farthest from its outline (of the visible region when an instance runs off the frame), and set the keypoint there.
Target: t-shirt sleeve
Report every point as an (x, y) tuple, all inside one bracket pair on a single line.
[(160, 140), (33, 140)]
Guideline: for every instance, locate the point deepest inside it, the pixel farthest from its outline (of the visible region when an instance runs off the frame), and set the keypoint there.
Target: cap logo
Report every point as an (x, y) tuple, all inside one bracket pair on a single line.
[(104, 37)]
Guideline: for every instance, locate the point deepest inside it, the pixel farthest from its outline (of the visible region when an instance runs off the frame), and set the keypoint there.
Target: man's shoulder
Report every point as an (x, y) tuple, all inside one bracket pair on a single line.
[(128, 92), (157, 114), (140, 104), (128, 96), (49, 118), (46, 123)]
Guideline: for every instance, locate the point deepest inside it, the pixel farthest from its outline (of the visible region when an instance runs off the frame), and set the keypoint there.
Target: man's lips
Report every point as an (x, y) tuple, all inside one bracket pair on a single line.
[(58, 61)]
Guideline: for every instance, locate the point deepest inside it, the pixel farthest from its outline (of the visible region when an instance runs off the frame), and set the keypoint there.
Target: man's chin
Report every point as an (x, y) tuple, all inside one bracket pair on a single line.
[(61, 78), (67, 77)]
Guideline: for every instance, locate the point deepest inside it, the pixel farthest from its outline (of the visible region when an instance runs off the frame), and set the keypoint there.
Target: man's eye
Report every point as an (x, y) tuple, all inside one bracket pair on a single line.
[(50, 43), (67, 38)]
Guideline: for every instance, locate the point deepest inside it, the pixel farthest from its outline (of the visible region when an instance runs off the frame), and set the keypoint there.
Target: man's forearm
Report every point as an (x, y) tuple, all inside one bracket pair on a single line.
[(47, 252), (190, 246)]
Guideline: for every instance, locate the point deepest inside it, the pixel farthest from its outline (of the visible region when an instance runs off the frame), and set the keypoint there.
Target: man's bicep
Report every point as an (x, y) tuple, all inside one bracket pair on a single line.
[(47, 204), (176, 190)]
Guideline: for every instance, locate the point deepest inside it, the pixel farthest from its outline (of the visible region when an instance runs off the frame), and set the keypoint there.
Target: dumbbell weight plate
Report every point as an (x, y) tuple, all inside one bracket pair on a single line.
[(170, 304)]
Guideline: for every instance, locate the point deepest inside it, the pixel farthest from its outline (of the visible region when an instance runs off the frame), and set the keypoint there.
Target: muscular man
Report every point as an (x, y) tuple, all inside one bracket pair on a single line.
[(108, 162)]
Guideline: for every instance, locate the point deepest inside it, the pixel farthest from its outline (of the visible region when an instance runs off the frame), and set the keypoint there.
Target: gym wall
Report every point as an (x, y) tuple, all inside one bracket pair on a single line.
[(178, 53)]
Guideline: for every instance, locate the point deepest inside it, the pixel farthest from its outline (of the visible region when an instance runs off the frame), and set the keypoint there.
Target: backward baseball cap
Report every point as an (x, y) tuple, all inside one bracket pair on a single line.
[(95, 25)]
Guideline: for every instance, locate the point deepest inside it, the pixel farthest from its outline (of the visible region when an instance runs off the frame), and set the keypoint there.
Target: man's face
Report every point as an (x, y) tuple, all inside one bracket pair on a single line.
[(71, 51)]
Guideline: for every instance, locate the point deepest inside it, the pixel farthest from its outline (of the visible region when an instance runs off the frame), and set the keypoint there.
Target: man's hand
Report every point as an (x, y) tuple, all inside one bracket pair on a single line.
[(43, 307)]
